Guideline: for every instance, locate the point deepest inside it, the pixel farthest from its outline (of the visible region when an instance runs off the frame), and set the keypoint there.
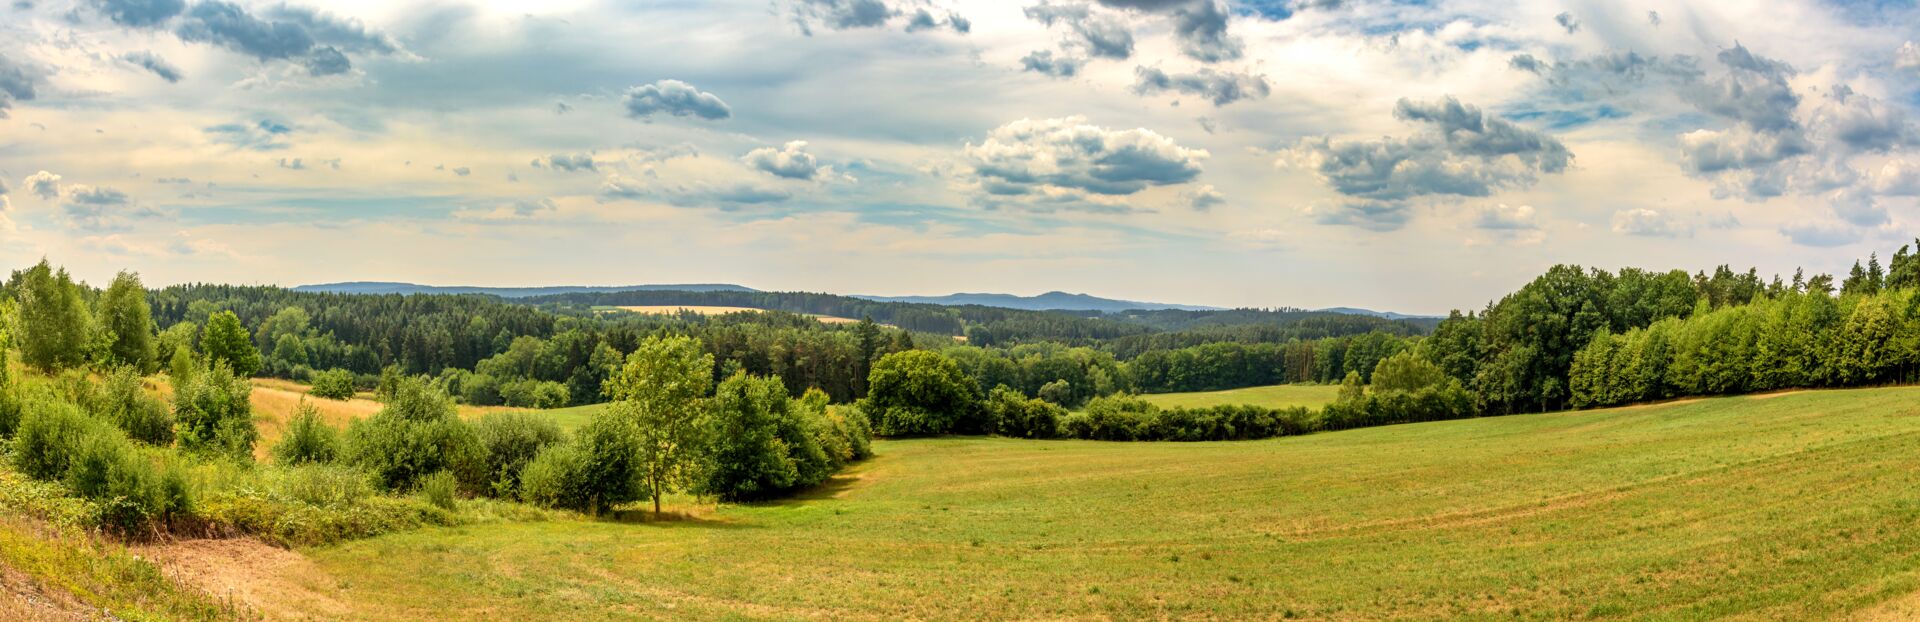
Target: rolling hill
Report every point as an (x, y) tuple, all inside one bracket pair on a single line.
[(388, 287)]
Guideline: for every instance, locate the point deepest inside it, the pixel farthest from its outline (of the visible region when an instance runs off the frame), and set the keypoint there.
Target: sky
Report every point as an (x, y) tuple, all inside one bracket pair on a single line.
[(1415, 156)]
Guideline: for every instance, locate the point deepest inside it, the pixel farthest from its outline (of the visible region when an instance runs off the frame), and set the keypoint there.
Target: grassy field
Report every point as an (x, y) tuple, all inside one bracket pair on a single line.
[(1797, 506), (1276, 396)]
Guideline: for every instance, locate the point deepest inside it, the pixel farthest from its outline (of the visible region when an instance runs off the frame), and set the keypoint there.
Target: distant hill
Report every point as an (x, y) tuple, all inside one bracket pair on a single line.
[(381, 287), (1382, 314), (1050, 301)]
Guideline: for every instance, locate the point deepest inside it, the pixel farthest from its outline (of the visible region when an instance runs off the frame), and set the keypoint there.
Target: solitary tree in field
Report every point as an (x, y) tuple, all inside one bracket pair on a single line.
[(54, 323), (226, 340), (660, 391), (128, 322)]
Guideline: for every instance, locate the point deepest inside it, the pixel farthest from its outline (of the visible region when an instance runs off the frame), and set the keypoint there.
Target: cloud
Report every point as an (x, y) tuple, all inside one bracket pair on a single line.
[(291, 164), (725, 196), (791, 161), (1031, 156), (515, 210), (1461, 152), (140, 13), (338, 32), (42, 184), (1499, 217), (262, 135), (843, 14), (1566, 20), (1820, 235), (462, 171), (1379, 216), (1653, 18), (1203, 198), (1044, 62), (1098, 34), (18, 82), (92, 208), (1907, 58), (1898, 177), (327, 61), (150, 62), (1221, 88), (229, 26), (675, 98), (1650, 223), (1201, 29), (569, 162), (1863, 124)]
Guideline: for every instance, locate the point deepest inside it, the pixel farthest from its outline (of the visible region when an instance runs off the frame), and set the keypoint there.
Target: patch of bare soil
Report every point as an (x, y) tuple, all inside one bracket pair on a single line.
[(1768, 396), (24, 599), (277, 583)]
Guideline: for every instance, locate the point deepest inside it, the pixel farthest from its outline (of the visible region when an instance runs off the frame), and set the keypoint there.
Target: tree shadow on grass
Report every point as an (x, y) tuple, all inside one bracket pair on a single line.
[(826, 491), (671, 519)]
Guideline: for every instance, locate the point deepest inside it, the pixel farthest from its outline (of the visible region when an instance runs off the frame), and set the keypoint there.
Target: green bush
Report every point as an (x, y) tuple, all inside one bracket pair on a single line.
[(918, 392), (308, 439), (322, 485), (50, 436), (510, 440), (10, 408), (438, 489), (131, 493), (123, 400), (333, 384), (417, 434), (533, 394), (1010, 413), (555, 478), (213, 413)]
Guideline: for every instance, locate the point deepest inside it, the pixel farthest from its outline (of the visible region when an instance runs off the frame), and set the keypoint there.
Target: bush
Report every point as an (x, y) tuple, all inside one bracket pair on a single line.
[(123, 401), (918, 392), (511, 440), (333, 384), (1010, 413), (132, 494), (50, 436), (533, 394), (416, 435), (745, 456), (323, 485), (213, 413), (555, 479), (308, 439), (438, 489)]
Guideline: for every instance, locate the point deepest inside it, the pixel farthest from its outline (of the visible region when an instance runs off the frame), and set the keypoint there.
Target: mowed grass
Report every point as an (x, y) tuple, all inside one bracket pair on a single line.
[(1276, 396), (1800, 506)]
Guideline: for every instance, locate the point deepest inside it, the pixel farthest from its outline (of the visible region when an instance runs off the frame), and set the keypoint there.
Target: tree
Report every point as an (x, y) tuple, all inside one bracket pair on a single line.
[(54, 324), (745, 457), (290, 350), (308, 439), (920, 392), (1406, 371), (128, 323), (226, 341), (1352, 389), (660, 389)]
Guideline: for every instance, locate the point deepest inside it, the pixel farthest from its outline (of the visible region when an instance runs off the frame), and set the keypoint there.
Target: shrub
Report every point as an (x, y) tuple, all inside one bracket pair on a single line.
[(1010, 413), (123, 400), (511, 440), (213, 413), (333, 384), (10, 408), (308, 439), (533, 394), (1058, 392), (438, 489), (417, 434), (132, 494), (555, 479), (323, 485), (918, 392), (49, 438)]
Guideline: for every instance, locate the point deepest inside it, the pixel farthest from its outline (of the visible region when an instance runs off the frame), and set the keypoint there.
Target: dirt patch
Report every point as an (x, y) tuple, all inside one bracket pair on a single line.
[(22, 598), (275, 582), (1901, 608), (1768, 396)]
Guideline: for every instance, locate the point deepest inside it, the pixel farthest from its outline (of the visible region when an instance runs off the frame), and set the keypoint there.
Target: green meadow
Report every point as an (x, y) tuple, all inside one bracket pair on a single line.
[(1796, 506), (1310, 396)]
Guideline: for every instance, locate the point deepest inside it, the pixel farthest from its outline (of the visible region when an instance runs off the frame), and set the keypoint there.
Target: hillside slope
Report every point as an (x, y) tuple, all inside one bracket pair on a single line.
[(1794, 506)]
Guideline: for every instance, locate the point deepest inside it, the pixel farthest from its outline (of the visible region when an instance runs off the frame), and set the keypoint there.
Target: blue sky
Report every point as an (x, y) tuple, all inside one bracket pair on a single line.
[(1415, 156)]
